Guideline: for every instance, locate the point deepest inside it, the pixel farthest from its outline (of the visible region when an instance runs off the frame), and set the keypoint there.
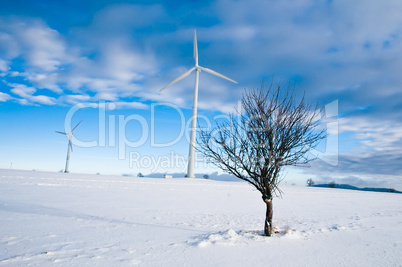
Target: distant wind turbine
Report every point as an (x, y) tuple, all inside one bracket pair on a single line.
[(70, 145), (197, 68)]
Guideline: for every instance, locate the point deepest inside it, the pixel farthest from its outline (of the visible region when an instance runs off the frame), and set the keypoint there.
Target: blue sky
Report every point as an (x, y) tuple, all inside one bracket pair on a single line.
[(61, 56)]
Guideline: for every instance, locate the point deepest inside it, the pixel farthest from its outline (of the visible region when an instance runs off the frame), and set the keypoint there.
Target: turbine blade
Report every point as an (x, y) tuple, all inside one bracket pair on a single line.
[(217, 74), (195, 48), (184, 75), (70, 145), (61, 132), (76, 127)]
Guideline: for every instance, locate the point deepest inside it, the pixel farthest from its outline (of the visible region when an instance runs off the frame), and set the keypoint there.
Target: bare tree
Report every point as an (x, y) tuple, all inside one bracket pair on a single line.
[(271, 131)]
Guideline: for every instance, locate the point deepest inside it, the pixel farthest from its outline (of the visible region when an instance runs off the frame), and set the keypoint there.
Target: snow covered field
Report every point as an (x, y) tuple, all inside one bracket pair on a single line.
[(57, 219)]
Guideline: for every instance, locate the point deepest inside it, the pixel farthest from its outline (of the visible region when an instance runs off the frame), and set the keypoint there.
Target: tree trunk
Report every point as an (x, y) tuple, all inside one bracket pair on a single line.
[(268, 218)]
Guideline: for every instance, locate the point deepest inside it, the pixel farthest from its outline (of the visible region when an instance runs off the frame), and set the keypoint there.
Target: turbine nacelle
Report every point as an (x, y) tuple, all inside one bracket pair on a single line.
[(197, 68)]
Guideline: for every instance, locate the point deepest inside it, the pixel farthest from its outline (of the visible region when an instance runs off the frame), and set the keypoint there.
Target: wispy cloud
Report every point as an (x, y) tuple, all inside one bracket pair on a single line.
[(3, 66), (4, 97), (106, 61), (374, 151), (22, 90), (27, 96)]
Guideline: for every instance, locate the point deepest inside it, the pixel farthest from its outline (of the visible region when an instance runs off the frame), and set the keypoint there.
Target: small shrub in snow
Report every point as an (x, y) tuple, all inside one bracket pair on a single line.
[(270, 131)]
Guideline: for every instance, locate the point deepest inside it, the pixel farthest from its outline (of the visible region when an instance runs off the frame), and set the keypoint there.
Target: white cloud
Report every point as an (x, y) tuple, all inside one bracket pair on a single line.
[(331, 45), (376, 152), (45, 81), (3, 66), (52, 63), (123, 64), (87, 105), (45, 48), (42, 47), (27, 97), (23, 101), (4, 97), (74, 99), (375, 136), (22, 90), (42, 99), (9, 46), (127, 105), (109, 96)]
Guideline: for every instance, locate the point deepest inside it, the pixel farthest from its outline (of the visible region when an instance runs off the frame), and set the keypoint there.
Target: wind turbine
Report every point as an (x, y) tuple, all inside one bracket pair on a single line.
[(70, 144), (198, 69)]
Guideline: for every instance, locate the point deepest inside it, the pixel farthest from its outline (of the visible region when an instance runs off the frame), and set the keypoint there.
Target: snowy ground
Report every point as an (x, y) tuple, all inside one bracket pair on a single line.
[(91, 220)]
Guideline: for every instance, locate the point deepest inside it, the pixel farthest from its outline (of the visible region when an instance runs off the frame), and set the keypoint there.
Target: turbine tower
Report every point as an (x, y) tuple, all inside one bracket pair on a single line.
[(198, 69), (70, 145)]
